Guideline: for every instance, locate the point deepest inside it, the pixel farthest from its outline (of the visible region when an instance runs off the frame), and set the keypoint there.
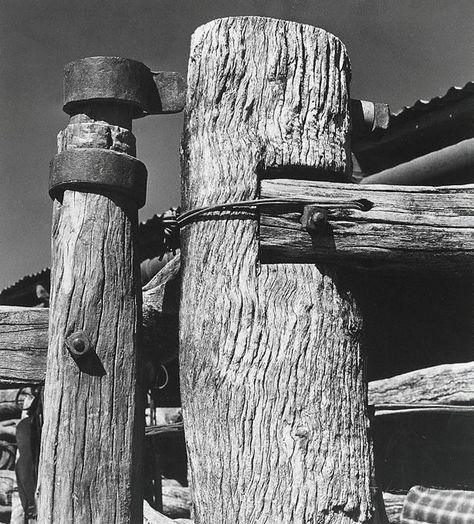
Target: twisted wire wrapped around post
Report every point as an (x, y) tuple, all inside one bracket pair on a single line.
[(172, 220)]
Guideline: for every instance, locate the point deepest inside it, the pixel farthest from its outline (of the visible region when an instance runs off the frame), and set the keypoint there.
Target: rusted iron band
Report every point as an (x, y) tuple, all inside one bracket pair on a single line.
[(121, 80), (91, 169)]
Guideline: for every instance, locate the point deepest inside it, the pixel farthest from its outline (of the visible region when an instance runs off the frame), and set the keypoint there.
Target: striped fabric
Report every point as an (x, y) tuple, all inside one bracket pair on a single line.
[(438, 506)]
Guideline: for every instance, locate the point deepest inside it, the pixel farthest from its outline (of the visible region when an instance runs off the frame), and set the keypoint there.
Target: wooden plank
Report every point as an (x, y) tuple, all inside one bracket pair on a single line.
[(164, 429), (23, 345), (151, 516), (407, 228), (445, 384), (273, 349), (176, 501)]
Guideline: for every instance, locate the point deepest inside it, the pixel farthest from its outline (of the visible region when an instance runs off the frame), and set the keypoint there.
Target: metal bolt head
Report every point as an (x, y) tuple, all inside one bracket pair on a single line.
[(78, 344), (314, 218)]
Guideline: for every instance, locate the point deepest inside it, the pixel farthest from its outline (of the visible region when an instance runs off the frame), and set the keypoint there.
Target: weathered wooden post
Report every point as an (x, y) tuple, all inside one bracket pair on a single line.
[(274, 398), (93, 432)]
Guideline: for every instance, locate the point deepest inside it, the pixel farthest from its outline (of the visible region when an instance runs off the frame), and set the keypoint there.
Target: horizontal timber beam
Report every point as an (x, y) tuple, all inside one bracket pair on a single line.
[(445, 384), (24, 340), (421, 228), (23, 345)]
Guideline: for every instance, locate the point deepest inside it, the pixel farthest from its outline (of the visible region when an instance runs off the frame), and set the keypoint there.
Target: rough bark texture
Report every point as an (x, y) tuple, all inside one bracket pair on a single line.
[(93, 420), (84, 133), (271, 369), (410, 228), (445, 384), (23, 346)]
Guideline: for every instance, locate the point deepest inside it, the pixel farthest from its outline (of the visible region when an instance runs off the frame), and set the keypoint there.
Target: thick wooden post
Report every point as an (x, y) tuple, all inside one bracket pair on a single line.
[(274, 399), (93, 422)]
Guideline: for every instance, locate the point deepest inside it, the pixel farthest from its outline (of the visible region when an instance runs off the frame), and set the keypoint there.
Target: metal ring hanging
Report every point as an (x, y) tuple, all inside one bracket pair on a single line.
[(166, 377)]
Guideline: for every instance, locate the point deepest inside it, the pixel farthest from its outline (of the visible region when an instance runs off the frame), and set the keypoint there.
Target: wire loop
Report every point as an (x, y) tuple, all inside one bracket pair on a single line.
[(173, 220)]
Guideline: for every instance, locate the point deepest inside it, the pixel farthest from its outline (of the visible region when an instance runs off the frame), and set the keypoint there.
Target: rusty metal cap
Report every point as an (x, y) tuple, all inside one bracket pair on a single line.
[(107, 78), (115, 79), (94, 169)]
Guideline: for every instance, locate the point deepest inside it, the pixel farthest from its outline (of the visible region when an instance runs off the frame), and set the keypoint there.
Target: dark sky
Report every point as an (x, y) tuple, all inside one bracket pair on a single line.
[(400, 51)]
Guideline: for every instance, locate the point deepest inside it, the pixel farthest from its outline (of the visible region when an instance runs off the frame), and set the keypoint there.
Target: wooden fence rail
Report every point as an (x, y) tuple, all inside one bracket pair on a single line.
[(424, 229), (24, 339)]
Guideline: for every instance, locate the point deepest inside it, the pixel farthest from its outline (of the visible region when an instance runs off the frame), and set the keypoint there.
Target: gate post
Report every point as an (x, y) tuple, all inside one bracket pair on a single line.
[(272, 375), (94, 422)]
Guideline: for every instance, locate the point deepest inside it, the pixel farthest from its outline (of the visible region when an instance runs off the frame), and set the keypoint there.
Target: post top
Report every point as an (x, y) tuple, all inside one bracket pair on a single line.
[(255, 19)]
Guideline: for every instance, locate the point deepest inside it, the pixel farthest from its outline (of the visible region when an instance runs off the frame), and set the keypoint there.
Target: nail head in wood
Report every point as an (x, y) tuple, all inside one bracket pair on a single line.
[(78, 344)]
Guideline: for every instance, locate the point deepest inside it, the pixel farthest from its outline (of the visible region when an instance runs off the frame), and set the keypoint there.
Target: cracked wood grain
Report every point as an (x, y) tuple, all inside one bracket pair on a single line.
[(273, 350), (93, 419)]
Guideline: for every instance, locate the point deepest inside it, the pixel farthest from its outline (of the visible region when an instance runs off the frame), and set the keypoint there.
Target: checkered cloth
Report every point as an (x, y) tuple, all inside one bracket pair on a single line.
[(438, 506)]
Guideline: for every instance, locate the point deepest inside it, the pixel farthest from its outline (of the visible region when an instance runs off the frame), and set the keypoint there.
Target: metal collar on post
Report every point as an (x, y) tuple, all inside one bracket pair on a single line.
[(115, 90), (99, 169)]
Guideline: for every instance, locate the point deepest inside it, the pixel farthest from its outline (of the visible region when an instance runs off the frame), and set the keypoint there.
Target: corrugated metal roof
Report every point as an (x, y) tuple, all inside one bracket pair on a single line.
[(419, 129), (39, 276), (420, 107), (23, 292)]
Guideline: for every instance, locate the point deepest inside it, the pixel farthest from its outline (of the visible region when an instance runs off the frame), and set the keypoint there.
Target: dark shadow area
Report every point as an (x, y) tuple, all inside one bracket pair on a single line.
[(412, 322), (91, 364), (427, 449), (300, 172), (169, 396)]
